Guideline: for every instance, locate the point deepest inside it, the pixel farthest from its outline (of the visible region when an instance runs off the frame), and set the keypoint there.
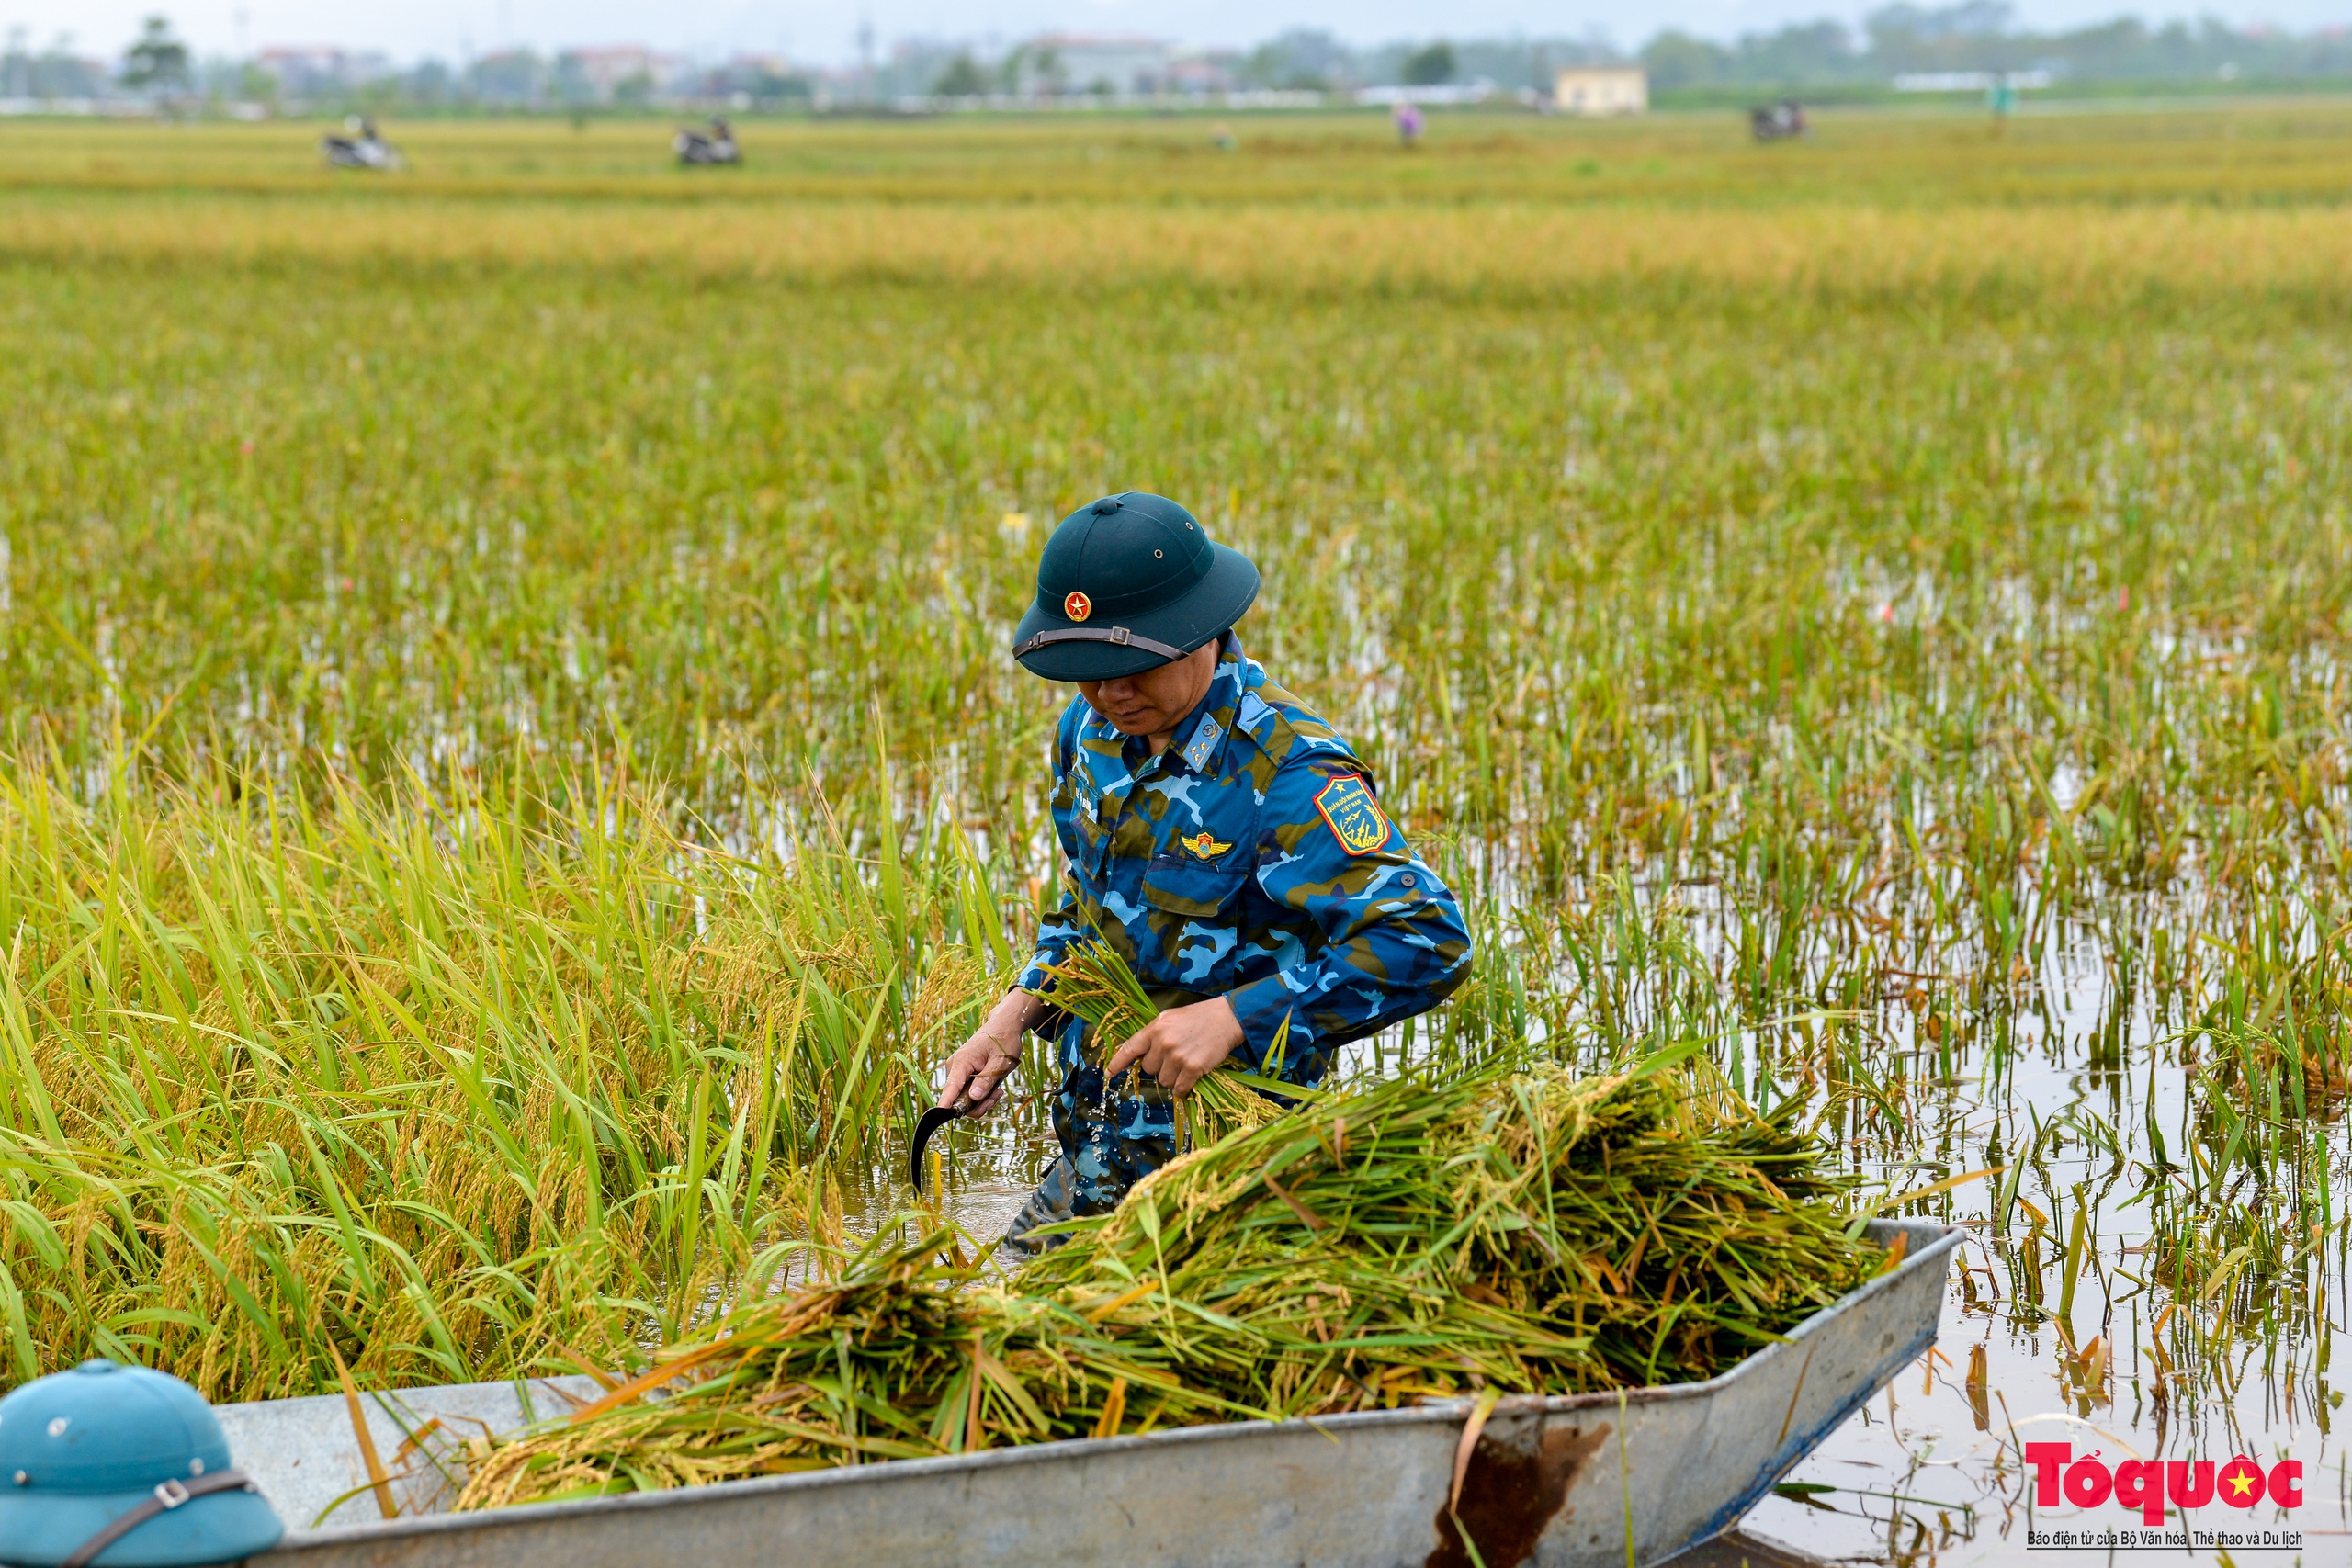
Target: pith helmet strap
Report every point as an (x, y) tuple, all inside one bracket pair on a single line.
[(167, 1496), (1119, 634)]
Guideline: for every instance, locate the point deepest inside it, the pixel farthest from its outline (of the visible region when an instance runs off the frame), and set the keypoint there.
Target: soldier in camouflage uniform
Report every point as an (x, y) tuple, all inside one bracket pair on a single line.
[(1216, 832)]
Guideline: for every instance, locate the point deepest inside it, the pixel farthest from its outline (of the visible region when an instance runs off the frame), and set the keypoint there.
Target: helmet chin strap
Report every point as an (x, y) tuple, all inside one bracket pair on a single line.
[(1120, 635), (167, 1496)]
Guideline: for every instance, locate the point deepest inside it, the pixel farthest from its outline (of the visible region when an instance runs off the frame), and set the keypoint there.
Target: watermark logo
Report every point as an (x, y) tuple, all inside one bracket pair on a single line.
[(2146, 1486)]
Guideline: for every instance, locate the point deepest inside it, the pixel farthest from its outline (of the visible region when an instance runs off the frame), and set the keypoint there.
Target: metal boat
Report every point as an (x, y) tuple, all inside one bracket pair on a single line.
[(1583, 1481)]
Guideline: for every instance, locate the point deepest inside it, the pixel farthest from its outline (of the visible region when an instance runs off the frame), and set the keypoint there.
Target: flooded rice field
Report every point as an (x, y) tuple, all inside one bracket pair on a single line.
[(513, 782), (2121, 1292)]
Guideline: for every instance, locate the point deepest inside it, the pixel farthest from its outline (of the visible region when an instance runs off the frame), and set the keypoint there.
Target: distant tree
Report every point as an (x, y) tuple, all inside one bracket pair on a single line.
[(1032, 68), (771, 86), (962, 79), (158, 59), (512, 76), (430, 83), (1968, 36), (1429, 67), (1970, 18), (1810, 52), (255, 85), (1979, 34), (56, 72), (636, 88), (1303, 58), (1677, 59), (571, 81)]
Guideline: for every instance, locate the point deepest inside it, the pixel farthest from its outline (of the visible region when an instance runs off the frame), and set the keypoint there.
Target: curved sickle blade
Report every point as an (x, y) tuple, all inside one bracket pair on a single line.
[(935, 1118)]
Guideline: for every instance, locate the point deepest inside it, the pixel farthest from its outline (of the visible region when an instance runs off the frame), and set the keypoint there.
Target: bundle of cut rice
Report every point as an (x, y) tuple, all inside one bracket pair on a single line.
[(1526, 1232)]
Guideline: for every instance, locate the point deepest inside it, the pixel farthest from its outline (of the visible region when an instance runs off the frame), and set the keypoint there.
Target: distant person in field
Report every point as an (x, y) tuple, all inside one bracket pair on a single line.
[(1226, 840), (1408, 118)]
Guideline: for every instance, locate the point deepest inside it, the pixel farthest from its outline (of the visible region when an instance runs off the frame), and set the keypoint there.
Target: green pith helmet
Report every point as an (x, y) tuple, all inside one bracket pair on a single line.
[(1127, 583), (121, 1467)]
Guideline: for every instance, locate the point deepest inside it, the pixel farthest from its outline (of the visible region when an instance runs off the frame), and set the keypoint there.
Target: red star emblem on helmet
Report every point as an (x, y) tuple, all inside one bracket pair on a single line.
[(1078, 606)]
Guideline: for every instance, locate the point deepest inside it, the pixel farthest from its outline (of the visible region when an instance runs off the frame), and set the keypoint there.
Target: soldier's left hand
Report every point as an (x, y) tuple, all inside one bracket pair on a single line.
[(1180, 1046)]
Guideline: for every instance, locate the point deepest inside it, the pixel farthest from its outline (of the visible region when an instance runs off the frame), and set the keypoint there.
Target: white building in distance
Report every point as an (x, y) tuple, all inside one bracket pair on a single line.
[(322, 70), (1598, 90), (1089, 62), (606, 73)]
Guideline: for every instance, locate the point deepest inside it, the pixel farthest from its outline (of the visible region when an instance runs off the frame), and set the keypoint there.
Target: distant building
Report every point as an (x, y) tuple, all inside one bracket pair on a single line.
[(323, 71), (1201, 73), (750, 79), (507, 76), (1087, 62), (1601, 90), (623, 71), (29, 81)]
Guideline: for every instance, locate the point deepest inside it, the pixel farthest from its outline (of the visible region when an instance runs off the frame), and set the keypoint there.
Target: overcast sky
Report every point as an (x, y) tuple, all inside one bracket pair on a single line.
[(825, 31)]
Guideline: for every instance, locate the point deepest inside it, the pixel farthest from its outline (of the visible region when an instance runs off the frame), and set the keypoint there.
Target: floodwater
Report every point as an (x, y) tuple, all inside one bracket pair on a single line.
[(1924, 1475), (1930, 1472)]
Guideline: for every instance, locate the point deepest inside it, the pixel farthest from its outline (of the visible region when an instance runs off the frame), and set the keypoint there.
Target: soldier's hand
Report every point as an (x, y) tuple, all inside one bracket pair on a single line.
[(1181, 1046), (977, 1072)]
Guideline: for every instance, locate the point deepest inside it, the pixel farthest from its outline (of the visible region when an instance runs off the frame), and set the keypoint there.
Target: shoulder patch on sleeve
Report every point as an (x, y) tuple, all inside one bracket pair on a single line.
[(1354, 817)]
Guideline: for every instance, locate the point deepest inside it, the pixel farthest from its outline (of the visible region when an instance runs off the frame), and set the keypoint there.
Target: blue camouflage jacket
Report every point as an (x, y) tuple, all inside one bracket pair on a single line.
[(1249, 860)]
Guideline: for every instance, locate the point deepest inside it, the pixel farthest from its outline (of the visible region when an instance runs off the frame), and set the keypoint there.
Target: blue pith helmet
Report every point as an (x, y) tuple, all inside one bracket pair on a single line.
[(1128, 584), (121, 1467)]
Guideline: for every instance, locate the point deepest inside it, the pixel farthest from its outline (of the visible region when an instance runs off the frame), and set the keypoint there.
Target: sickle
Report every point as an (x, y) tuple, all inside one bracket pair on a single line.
[(935, 1118)]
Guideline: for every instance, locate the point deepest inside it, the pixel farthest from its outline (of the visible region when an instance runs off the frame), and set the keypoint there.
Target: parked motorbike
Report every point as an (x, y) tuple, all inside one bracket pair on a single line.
[(361, 148), (1782, 121), (714, 146)]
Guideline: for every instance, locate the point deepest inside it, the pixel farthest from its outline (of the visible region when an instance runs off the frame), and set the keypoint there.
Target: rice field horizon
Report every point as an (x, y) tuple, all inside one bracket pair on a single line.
[(512, 781)]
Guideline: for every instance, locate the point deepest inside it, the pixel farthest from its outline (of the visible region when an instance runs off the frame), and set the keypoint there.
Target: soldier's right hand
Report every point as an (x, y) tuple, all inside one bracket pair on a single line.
[(977, 1072)]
